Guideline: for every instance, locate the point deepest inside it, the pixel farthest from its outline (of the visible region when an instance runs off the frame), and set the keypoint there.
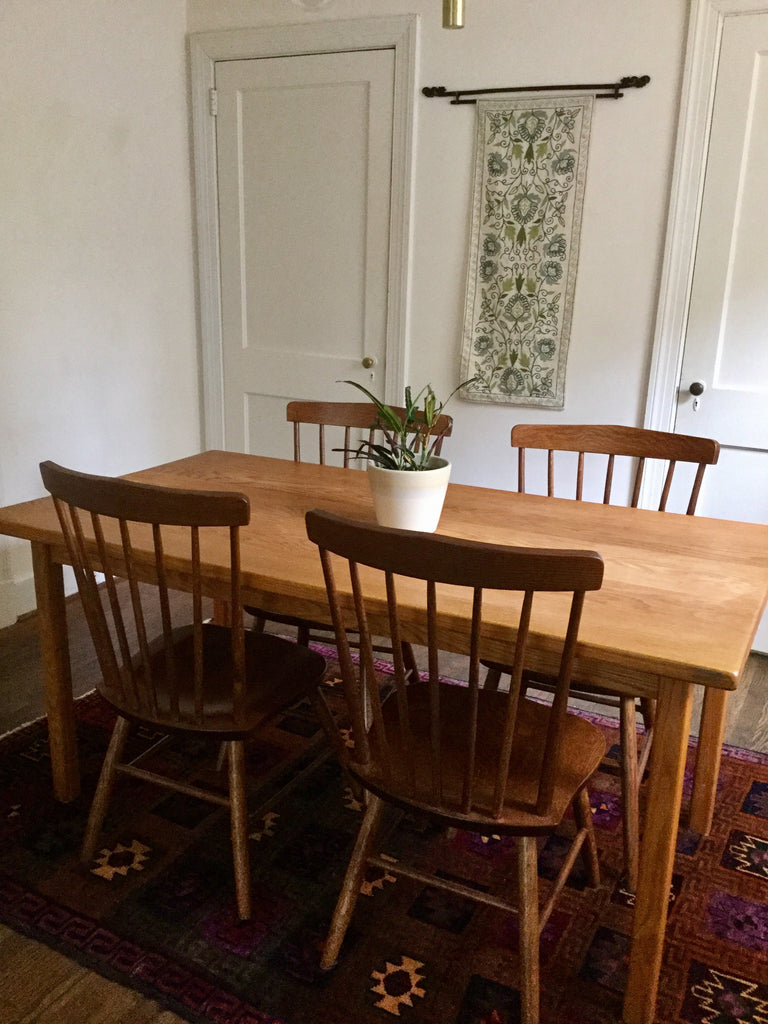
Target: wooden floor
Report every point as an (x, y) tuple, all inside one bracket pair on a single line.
[(41, 986)]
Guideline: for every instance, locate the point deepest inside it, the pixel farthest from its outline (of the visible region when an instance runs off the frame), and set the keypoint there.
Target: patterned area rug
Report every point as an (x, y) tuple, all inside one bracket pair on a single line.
[(155, 909)]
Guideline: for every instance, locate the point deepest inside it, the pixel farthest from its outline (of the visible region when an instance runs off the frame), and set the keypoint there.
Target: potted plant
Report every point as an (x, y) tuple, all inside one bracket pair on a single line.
[(408, 480)]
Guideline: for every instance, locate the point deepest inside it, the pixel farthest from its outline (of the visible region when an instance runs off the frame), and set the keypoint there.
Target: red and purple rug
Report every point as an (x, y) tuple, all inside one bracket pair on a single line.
[(155, 909)]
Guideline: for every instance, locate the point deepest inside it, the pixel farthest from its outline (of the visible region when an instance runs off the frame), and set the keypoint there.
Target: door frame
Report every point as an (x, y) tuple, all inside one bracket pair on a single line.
[(705, 31), (399, 33)]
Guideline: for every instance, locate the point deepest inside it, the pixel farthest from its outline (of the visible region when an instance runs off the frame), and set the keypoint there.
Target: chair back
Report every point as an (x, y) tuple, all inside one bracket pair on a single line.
[(140, 533), (612, 441), (431, 744), (359, 416)]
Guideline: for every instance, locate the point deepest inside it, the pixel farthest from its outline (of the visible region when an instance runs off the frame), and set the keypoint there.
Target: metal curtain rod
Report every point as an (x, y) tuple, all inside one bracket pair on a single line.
[(603, 91)]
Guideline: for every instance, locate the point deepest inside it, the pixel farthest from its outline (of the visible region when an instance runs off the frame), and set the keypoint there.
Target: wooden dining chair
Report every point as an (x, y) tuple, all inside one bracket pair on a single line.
[(489, 762), (354, 417), (596, 449), (194, 677)]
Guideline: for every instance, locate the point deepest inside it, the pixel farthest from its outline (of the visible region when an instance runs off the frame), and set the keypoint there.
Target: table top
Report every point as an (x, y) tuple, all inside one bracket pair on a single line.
[(682, 596)]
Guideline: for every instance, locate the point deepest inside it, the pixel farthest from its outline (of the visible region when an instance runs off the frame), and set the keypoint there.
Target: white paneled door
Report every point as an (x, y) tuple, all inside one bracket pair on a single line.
[(726, 344), (718, 250), (304, 162)]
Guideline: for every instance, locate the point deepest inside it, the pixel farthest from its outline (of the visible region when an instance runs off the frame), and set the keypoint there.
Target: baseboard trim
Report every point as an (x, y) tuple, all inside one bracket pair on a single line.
[(17, 597)]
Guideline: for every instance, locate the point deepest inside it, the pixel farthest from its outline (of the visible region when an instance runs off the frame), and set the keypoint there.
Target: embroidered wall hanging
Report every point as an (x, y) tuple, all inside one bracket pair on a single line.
[(530, 169)]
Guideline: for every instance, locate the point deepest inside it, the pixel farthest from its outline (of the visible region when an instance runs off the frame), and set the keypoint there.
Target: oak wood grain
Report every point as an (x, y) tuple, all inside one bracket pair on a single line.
[(681, 597)]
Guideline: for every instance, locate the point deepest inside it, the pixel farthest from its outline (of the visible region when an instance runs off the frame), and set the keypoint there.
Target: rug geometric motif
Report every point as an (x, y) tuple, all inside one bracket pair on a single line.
[(746, 853), (715, 996), (159, 916), (397, 983)]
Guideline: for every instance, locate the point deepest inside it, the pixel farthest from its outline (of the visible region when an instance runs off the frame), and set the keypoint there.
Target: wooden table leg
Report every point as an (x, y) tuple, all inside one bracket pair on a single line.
[(222, 613), (57, 678), (657, 850), (711, 734)]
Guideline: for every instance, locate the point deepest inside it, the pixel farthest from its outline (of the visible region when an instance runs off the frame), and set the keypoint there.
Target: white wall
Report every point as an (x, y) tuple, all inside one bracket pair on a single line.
[(529, 42), (98, 333)]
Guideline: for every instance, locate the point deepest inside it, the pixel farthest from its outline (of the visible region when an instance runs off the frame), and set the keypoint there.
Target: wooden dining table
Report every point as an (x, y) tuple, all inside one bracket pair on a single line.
[(680, 603)]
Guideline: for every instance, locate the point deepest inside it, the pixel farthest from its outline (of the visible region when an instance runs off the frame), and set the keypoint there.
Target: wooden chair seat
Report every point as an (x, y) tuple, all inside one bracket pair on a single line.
[(582, 746), (276, 671)]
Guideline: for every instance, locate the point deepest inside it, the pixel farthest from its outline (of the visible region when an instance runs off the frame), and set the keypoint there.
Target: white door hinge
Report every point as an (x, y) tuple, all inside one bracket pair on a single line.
[(213, 102)]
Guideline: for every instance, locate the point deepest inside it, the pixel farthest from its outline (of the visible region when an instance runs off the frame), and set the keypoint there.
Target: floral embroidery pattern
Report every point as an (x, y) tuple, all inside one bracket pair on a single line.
[(529, 185)]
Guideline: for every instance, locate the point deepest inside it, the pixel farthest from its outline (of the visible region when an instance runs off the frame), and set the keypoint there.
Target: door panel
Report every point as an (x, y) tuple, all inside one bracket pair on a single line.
[(726, 341), (726, 337), (304, 152)]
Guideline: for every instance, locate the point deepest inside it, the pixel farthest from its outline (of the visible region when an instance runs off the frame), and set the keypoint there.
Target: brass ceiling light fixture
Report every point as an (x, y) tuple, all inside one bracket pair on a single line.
[(453, 13)]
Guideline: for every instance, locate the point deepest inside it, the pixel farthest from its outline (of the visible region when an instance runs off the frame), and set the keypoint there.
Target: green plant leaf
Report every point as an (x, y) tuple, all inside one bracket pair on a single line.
[(387, 415), (410, 441)]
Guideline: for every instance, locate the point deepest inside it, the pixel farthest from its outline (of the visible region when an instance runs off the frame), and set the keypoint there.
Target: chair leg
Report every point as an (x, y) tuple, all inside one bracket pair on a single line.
[(648, 711), (238, 812), (582, 812), (104, 788), (528, 886), (492, 679), (630, 789), (332, 734), (353, 879), (642, 761), (409, 660), (331, 730)]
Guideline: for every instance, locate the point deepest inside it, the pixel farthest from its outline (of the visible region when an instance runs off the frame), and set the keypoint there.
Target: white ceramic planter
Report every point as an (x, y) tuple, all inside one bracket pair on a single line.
[(410, 500)]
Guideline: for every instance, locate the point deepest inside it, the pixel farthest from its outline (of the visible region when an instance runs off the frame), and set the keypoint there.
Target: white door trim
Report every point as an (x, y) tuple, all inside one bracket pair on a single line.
[(205, 48), (696, 103)]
